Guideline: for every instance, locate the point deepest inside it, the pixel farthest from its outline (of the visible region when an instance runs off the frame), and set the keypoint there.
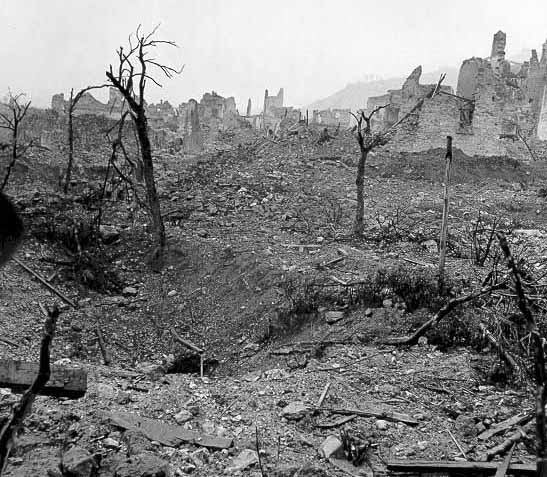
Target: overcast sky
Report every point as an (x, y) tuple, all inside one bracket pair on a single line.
[(240, 47)]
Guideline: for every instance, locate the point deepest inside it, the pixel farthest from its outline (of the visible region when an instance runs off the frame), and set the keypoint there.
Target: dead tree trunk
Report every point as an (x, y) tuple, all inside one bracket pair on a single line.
[(539, 360), (358, 227), (148, 171), (70, 142)]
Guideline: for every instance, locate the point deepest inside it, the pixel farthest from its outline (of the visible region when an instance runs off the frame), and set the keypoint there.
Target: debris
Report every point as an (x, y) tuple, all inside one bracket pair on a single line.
[(143, 465), (130, 291), (506, 444), (245, 459), (332, 317), (331, 446), (78, 462), (505, 425), (381, 424), (465, 468), (166, 434), (46, 284), (386, 415), (336, 422), (462, 452), (295, 410), (502, 469), (183, 416)]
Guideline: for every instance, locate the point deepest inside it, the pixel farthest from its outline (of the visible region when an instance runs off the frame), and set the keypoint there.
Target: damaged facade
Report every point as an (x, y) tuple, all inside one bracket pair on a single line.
[(332, 117), (499, 108), (275, 115)]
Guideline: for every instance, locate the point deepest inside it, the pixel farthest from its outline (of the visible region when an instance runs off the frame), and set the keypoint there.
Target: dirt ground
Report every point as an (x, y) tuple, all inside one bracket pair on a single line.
[(259, 253)]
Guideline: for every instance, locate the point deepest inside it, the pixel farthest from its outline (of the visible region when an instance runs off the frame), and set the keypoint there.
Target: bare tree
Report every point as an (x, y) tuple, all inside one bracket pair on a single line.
[(368, 139), (11, 120), (73, 101), (135, 67)]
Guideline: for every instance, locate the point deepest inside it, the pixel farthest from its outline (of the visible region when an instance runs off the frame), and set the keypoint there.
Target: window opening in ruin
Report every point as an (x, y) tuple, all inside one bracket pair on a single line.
[(467, 110)]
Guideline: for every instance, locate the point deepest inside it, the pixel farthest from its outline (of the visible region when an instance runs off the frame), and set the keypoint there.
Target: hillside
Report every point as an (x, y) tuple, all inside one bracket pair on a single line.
[(355, 95)]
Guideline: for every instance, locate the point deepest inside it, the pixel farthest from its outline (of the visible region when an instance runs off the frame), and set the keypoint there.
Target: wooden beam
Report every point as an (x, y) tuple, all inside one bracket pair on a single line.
[(462, 468), (63, 381)]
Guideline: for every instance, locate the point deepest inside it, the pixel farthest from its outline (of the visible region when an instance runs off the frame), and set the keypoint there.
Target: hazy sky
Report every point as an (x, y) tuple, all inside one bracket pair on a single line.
[(240, 47)]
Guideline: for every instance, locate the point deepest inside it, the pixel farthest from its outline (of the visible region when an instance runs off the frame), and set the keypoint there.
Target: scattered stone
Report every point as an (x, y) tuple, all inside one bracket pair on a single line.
[(466, 425), (295, 410), (110, 443), (172, 293), (251, 347), (382, 425), (308, 470), (422, 341), (333, 316), (387, 303), (368, 312), (136, 442), (430, 246), (331, 446), (245, 459), (78, 462), (183, 416), (480, 427), (143, 465), (109, 234), (200, 457), (130, 291)]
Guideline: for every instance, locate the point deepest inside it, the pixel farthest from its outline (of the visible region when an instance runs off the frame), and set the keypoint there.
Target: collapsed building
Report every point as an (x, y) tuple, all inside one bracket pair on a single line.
[(275, 115), (499, 108), (332, 117), (88, 104)]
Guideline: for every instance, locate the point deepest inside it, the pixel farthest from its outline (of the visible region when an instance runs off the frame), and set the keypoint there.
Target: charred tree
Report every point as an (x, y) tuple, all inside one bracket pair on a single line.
[(72, 103), (11, 120), (134, 69)]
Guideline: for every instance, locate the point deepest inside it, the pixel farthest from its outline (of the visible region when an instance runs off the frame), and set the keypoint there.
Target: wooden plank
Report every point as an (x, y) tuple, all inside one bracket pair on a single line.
[(517, 420), (502, 469), (378, 414), (166, 434), (63, 382), (466, 468)]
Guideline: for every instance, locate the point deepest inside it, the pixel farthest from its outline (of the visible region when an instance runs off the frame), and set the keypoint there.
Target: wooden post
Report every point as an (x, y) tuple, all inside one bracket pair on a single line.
[(307, 118), (444, 226)]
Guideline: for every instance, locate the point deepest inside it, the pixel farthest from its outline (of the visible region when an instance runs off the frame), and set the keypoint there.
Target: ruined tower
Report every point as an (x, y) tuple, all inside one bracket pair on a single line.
[(249, 107), (497, 56)]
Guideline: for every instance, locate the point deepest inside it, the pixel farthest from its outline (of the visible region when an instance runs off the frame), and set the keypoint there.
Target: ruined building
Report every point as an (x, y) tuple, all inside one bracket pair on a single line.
[(275, 115), (332, 117), (88, 104), (499, 108)]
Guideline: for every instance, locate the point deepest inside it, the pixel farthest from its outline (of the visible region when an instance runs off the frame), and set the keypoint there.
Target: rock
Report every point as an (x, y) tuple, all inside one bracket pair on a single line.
[(251, 347), (480, 427), (331, 446), (466, 425), (130, 291), (143, 465), (183, 416), (295, 410), (110, 443), (62, 362), (151, 369), (136, 442), (430, 246), (387, 303), (333, 316), (78, 462), (382, 425), (200, 457), (109, 234), (208, 427), (105, 391), (245, 459), (422, 341), (368, 312), (172, 293)]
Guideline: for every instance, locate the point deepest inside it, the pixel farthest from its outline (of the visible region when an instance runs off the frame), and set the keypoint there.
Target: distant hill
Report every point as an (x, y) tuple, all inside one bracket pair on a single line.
[(354, 95)]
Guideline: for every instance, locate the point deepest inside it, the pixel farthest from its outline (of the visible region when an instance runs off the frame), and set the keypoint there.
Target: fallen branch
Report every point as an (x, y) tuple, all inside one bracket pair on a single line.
[(445, 310), (502, 469), (539, 359), (20, 411), (107, 358), (506, 355), (45, 283), (505, 425), (386, 415), (509, 442)]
